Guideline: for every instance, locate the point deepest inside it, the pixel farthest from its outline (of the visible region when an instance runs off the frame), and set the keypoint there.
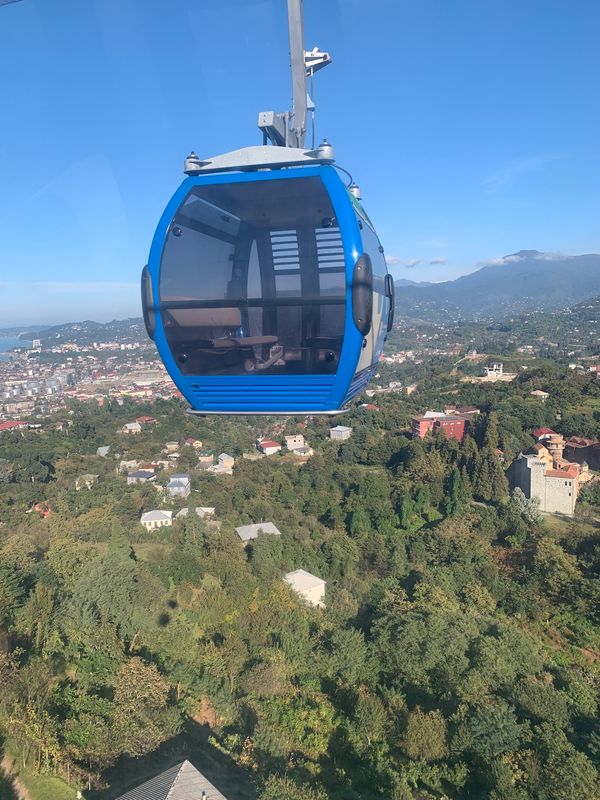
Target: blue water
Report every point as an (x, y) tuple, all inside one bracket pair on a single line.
[(7, 343)]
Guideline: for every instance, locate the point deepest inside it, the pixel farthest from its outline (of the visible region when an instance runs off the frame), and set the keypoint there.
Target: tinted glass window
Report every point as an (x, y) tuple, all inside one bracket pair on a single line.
[(252, 280), (372, 246)]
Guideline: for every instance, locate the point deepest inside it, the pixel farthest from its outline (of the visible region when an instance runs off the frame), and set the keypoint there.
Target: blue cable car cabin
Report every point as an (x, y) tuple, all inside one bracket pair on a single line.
[(266, 292)]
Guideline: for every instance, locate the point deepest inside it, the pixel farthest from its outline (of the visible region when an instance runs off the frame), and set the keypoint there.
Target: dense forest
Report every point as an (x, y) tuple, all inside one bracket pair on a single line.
[(457, 656)]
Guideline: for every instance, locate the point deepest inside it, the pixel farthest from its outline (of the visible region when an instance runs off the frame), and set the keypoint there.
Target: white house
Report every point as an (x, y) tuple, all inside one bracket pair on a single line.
[(308, 586), (156, 519), (170, 447), (103, 451), (201, 511), (540, 395), (294, 442), (249, 532), (495, 370), (224, 465), (179, 485), (340, 432), (303, 452), (268, 447), (131, 428), (85, 481), (140, 476), (226, 461)]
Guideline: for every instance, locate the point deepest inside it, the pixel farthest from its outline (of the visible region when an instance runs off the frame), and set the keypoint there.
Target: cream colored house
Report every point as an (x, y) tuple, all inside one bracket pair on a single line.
[(156, 519), (295, 441), (340, 433), (540, 395), (308, 586), (131, 428)]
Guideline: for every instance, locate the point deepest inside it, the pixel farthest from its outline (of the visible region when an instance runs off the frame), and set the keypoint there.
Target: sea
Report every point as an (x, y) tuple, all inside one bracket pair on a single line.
[(8, 343)]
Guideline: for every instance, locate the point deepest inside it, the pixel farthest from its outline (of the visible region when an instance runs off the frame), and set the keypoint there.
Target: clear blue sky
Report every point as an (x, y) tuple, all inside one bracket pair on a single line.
[(472, 127)]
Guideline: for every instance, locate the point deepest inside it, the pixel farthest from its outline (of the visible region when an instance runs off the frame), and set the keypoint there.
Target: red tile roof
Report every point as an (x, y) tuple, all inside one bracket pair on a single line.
[(267, 443), (543, 432), (559, 473), (10, 425), (579, 441)]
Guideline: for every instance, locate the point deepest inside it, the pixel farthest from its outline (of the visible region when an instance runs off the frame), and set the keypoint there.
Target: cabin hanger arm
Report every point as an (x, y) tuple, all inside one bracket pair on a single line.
[(288, 129)]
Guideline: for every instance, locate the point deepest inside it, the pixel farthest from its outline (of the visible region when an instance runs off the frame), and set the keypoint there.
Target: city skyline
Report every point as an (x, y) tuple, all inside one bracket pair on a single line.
[(471, 131)]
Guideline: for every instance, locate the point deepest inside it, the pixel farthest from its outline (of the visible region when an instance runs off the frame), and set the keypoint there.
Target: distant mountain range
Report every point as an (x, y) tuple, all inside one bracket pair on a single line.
[(85, 332), (401, 282), (523, 281)]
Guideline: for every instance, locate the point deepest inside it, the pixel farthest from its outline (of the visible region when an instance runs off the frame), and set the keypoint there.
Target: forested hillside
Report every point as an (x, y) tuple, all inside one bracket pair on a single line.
[(520, 282), (457, 655)]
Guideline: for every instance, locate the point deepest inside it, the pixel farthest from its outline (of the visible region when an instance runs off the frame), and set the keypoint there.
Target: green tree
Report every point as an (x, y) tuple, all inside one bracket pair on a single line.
[(491, 436), (490, 731), (143, 716), (566, 772), (425, 736), (284, 788), (11, 593), (35, 617), (489, 480), (556, 571)]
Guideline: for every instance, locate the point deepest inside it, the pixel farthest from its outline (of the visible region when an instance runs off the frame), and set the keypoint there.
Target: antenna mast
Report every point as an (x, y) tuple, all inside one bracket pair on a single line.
[(288, 129)]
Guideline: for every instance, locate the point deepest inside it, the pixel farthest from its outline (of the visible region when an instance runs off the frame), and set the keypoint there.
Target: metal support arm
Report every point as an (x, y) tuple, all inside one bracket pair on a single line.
[(289, 129), (299, 104)]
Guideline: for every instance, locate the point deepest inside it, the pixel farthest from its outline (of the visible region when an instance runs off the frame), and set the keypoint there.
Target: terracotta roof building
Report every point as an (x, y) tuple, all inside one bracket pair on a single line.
[(268, 447), (543, 433), (455, 426), (12, 425), (555, 489), (583, 451)]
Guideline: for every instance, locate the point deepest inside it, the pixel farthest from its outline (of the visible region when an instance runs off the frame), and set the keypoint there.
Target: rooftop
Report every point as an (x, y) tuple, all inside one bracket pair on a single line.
[(181, 782), (179, 478), (544, 432), (12, 424), (201, 511), (560, 473), (301, 580), (156, 515), (248, 532)]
